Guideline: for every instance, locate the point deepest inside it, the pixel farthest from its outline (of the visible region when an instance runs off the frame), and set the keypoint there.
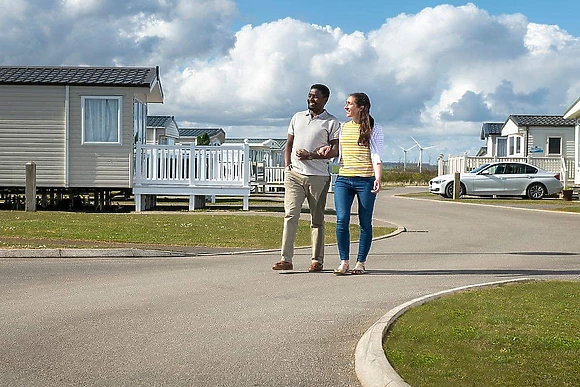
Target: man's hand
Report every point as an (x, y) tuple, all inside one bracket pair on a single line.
[(303, 154)]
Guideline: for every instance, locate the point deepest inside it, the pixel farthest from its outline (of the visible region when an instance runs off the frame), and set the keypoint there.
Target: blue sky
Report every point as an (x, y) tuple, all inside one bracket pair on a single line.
[(371, 14), (434, 70)]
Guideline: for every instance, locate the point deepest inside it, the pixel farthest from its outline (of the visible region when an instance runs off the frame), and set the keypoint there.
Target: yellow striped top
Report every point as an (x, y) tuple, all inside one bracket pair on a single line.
[(355, 160)]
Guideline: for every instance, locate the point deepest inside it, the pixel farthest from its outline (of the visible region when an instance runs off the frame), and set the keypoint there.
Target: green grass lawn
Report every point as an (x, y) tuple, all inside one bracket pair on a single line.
[(521, 334), (206, 229)]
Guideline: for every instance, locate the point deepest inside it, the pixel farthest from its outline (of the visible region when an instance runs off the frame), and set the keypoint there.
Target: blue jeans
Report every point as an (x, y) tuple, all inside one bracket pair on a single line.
[(345, 190)]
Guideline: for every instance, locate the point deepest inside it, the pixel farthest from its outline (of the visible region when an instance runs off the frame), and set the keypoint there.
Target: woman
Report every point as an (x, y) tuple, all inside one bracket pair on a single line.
[(361, 168)]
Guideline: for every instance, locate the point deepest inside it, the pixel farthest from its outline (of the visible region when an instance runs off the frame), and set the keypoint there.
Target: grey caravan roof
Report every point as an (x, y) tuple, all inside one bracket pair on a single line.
[(490, 128), (540, 120), (84, 76), (196, 132), (159, 121)]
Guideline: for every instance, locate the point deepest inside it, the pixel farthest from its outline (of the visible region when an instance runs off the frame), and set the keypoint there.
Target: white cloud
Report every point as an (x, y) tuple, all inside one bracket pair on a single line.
[(543, 39), (470, 107), (76, 8), (434, 75), (108, 32), (12, 10)]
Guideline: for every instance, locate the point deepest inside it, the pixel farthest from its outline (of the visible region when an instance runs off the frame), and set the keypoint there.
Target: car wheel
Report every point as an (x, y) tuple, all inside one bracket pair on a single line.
[(449, 190), (536, 191)]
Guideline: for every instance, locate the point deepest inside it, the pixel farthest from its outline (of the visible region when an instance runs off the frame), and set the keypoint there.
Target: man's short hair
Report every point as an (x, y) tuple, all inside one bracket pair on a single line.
[(322, 88)]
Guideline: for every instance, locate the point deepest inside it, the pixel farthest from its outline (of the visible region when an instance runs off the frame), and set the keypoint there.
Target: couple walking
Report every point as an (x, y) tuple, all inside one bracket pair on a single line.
[(314, 137)]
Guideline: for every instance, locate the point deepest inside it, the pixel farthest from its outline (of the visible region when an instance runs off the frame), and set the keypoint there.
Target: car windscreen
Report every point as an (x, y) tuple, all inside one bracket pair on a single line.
[(482, 166)]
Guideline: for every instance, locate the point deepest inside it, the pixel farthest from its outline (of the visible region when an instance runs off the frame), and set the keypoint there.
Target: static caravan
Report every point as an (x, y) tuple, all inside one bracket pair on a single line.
[(162, 130), (573, 113), (79, 125), (539, 135), (188, 136), (495, 144)]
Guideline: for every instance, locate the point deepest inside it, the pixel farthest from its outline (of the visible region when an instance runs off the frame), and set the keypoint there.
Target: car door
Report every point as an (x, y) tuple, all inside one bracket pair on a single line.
[(489, 181), (516, 178)]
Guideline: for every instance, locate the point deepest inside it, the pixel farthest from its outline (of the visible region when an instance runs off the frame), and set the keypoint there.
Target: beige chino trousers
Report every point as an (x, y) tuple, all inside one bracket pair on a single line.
[(298, 187)]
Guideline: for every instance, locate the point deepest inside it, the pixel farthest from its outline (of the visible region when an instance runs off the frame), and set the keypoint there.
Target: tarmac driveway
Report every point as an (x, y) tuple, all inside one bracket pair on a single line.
[(229, 320)]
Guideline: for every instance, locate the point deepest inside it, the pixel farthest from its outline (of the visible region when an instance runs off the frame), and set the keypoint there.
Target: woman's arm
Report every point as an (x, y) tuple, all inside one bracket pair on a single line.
[(376, 145), (378, 168)]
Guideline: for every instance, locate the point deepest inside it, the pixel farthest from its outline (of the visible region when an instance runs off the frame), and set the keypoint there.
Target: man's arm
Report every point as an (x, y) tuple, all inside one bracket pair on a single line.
[(288, 150)]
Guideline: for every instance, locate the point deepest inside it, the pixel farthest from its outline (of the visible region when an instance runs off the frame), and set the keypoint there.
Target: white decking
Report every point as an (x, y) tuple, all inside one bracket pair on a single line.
[(273, 180), (267, 179), (191, 171)]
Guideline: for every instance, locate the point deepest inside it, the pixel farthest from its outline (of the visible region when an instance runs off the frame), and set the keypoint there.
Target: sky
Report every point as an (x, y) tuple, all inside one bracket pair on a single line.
[(434, 70)]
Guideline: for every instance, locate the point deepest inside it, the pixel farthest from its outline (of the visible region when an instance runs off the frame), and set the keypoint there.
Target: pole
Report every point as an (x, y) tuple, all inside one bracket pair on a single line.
[(30, 191), (456, 186)]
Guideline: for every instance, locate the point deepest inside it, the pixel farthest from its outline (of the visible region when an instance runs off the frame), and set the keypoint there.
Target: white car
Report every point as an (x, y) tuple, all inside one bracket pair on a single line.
[(501, 178)]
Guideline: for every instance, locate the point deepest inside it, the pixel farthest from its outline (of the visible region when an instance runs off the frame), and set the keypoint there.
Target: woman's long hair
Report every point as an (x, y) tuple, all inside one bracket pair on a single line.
[(366, 120)]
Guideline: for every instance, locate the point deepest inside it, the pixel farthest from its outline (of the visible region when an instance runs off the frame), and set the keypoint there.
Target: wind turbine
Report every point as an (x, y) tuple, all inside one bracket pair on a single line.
[(421, 149), (405, 155)]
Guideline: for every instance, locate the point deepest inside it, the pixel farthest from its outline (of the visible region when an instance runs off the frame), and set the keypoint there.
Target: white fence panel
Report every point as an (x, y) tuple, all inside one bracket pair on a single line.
[(162, 164), (222, 165), (274, 175), (192, 165)]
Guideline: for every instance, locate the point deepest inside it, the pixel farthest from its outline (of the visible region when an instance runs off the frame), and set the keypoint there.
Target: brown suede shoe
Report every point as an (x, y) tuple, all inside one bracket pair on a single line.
[(315, 266), (283, 265)]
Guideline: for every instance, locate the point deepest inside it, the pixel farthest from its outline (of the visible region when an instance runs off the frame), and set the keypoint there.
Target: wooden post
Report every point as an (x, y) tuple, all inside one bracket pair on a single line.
[(456, 186), (30, 191)]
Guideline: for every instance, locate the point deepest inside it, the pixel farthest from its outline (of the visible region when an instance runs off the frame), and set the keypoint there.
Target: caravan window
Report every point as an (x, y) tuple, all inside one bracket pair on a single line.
[(555, 145), (515, 145), (140, 122), (101, 119)]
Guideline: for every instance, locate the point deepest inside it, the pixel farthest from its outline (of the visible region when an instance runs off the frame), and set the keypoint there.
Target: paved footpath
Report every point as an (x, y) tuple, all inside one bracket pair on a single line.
[(229, 320)]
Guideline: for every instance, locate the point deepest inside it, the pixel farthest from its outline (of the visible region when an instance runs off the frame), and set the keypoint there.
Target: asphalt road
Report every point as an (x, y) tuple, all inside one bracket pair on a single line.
[(229, 320)]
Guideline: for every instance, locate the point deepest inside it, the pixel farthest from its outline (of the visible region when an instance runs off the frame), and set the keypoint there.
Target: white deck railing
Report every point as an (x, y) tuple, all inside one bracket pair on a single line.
[(198, 171), (274, 175), (192, 165), (162, 164), (192, 170)]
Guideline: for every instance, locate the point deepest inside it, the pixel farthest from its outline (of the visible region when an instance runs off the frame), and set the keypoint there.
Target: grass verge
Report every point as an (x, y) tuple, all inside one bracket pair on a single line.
[(523, 334), (172, 229)]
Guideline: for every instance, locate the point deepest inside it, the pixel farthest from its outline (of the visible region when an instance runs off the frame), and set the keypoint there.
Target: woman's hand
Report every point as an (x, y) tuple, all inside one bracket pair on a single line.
[(376, 186), (323, 150)]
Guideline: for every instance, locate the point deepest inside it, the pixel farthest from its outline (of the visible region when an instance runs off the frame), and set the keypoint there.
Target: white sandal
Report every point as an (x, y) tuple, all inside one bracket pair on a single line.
[(342, 268), (359, 268)]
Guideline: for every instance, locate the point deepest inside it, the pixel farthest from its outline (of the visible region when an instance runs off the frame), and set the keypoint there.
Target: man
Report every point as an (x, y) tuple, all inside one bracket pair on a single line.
[(307, 174)]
